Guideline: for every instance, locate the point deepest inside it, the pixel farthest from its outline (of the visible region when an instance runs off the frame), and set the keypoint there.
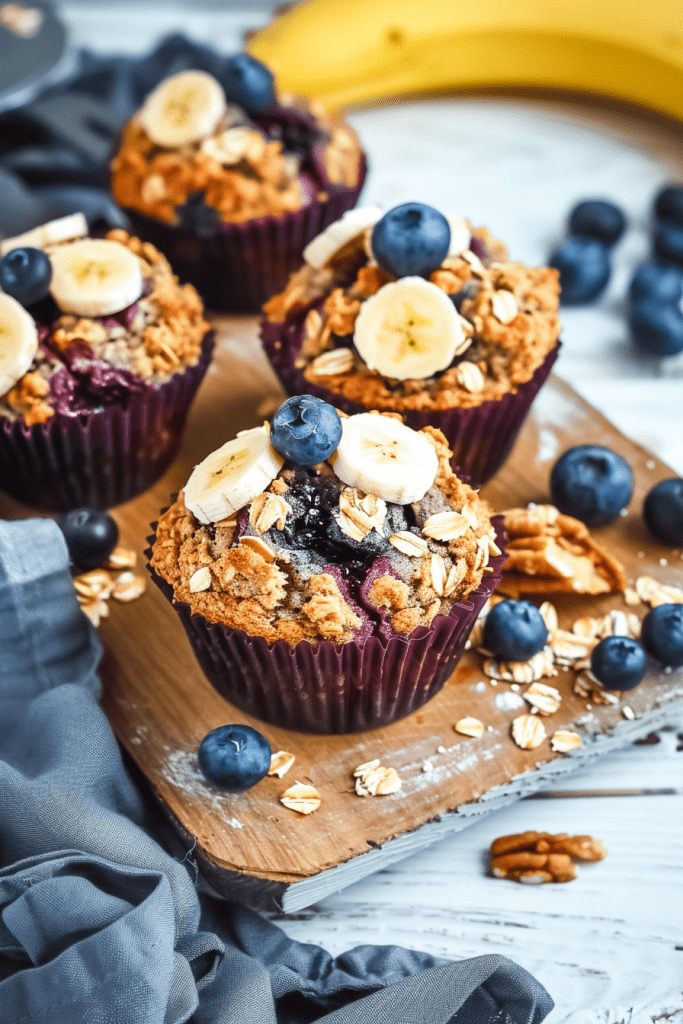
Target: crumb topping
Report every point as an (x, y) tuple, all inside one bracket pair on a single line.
[(241, 171), (509, 314), (311, 559)]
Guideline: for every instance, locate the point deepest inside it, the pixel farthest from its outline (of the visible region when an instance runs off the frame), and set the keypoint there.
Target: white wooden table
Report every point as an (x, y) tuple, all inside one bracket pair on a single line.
[(609, 946)]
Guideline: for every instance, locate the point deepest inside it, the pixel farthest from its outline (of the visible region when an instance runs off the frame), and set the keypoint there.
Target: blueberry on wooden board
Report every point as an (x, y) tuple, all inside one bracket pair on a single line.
[(514, 631), (234, 757), (596, 218), (619, 663), (90, 535), (584, 268), (411, 240), (663, 511), (591, 483), (662, 634)]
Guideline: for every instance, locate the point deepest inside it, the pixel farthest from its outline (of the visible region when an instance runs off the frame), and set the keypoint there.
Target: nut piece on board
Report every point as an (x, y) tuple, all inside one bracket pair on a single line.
[(562, 741), (280, 763), (301, 798), (372, 779), (537, 857), (469, 727), (528, 732)]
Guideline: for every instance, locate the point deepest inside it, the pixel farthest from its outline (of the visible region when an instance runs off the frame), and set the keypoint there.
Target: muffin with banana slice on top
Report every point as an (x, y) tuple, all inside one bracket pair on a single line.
[(419, 314), (328, 569), (101, 353), (231, 179)]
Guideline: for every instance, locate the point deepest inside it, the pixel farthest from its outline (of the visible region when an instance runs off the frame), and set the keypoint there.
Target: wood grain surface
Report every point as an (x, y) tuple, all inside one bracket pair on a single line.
[(161, 706)]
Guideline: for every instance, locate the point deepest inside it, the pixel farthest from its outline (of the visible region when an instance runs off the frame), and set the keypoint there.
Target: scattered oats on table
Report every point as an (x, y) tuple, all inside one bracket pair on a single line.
[(114, 580)]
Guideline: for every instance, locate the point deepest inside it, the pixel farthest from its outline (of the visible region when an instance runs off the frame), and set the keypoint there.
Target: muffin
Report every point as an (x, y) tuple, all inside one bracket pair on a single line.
[(328, 585), (421, 315), (104, 351), (231, 180)]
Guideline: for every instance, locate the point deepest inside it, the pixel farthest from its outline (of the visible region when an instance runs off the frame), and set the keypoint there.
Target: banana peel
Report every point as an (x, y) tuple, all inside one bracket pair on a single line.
[(359, 51)]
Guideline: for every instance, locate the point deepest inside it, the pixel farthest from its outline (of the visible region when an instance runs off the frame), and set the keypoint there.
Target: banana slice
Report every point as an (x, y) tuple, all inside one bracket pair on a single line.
[(461, 236), (408, 329), (351, 224), (18, 342), (183, 109), (381, 455), (94, 277), (232, 476), (62, 230)]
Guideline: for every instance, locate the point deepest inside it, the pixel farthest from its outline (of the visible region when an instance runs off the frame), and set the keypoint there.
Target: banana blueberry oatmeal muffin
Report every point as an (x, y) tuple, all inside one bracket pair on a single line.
[(328, 571), (422, 315), (231, 179), (101, 353)]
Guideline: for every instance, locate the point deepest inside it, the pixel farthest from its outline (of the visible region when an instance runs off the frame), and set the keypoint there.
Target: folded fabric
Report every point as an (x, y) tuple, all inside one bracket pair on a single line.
[(99, 923)]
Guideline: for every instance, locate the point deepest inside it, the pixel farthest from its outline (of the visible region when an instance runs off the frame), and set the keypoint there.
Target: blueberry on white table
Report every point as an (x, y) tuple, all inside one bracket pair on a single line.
[(619, 663), (584, 268), (596, 218), (411, 240), (591, 483), (662, 634), (660, 281), (248, 83), (306, 430), (669, 204), (657, 326), (90, 535), (668, 243), (663, 511), (25, 274), (234, 757), (514, 631)]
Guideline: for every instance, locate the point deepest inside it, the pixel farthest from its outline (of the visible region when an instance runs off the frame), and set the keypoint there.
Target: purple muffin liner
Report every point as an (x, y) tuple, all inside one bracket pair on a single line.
[(237, 267), (480, 438), (330, 688), (101, 458)]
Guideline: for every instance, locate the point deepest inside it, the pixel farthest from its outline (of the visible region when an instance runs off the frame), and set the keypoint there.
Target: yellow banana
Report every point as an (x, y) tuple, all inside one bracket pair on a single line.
[(355, 51)]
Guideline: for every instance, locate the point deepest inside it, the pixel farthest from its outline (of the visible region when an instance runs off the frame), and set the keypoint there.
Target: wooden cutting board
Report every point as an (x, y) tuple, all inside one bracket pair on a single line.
[(248, 845)]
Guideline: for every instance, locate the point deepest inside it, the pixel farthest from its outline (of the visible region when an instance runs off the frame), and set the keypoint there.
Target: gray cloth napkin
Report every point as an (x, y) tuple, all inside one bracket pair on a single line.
[(100, 925)]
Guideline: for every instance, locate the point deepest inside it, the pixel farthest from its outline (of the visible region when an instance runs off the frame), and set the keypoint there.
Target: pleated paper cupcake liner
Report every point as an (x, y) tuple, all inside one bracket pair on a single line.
[(480, 438), (102, 458), (330, 688), (237, 267)]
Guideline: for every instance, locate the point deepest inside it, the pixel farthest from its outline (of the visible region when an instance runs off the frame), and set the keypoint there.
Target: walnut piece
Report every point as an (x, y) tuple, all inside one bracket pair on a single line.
[(537, 857)]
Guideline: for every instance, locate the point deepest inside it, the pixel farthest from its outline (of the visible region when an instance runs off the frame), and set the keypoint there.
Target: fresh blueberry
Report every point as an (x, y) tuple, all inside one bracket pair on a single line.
[(591, 483), (514, 631), (663, 511), (248, 82), (662, 634), (584, 269), (669, 204), (668, 243), (657, 327), (25, 274), (411, 240), (618, 662), (235, 757), (657, 281), (90, 536), (596, 218), (306, 430)]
